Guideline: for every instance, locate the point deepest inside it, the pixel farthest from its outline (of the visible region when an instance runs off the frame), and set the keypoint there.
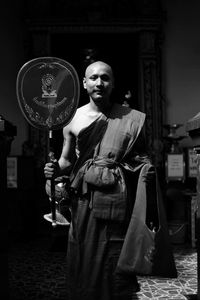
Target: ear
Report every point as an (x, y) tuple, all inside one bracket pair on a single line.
[(84, 83)]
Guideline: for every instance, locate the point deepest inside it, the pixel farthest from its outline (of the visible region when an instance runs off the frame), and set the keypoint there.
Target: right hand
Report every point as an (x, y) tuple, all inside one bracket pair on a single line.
[(52, 169)]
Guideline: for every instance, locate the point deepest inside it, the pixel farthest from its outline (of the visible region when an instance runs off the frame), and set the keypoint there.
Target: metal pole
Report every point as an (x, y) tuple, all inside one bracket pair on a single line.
[(52, 197)]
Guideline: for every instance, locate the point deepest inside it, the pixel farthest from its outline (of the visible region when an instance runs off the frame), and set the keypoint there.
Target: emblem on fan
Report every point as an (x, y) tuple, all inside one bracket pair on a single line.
[(48, 86), (48, 92)]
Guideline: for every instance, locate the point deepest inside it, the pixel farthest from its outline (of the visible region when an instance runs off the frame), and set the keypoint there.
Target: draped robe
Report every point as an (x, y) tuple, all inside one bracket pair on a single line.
[(105, 183)]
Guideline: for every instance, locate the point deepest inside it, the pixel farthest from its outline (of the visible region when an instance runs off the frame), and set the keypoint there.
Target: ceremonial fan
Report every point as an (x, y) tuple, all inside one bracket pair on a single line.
[(48, 93)]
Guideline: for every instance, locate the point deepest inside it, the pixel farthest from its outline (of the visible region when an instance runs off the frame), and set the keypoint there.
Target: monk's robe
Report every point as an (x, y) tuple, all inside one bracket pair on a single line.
[(105, 180)]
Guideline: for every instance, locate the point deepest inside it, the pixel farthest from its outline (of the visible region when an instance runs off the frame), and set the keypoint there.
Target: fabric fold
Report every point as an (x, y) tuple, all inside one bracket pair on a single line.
[(102, 175)]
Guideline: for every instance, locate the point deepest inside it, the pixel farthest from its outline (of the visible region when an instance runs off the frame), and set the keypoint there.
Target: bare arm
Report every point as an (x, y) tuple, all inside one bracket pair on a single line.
[(65, 163), (68, 155)]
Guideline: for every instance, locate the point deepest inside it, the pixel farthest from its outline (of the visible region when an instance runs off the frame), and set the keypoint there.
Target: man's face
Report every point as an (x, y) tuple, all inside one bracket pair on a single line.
[(98, 81)]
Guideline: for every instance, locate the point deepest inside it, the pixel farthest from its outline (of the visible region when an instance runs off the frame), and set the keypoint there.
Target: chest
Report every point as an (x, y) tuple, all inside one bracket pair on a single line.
[(83, 121)]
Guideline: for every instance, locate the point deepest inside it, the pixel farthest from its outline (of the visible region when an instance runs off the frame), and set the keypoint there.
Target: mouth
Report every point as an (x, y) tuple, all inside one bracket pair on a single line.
[(99, 92)]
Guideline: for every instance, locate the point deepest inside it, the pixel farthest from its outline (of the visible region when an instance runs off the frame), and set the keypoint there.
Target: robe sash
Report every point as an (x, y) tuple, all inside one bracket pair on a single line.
[(102, 176)]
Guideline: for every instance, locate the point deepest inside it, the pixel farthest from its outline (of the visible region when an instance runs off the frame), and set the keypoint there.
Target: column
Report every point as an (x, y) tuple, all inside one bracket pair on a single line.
[(150, 91)]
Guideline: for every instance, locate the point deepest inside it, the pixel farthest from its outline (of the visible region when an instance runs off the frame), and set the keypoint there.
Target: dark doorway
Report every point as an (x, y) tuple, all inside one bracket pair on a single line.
[(118, 50)]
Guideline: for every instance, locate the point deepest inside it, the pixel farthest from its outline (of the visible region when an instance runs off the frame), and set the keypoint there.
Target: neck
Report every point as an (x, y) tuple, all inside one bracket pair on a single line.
[(101, 108)]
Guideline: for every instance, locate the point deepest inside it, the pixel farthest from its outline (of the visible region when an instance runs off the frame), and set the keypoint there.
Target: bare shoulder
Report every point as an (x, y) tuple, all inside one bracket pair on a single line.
[(81, 110), (77, 121), (80, 114)]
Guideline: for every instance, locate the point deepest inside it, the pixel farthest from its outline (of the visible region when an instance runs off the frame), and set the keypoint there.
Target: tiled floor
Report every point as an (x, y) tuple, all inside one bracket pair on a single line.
[(36, 271), (179, 288)]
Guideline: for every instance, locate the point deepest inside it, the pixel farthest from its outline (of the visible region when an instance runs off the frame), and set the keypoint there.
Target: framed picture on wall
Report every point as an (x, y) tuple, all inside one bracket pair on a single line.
[(11, 172), (175, 167), (192, 163)]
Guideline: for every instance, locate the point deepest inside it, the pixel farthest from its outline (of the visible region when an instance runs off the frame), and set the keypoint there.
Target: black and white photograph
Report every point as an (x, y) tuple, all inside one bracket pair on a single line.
[(100, 150)]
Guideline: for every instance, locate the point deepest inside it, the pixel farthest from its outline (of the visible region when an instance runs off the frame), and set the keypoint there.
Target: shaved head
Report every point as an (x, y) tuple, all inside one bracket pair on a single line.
[(99, 82), (99, 63)]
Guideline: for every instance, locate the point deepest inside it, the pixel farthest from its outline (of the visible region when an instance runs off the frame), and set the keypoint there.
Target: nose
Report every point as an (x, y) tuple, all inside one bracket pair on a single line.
[(99, 81)]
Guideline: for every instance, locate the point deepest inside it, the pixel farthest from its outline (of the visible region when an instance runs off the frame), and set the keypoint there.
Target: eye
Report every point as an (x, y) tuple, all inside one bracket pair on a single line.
[(93, 77), (105, 77)]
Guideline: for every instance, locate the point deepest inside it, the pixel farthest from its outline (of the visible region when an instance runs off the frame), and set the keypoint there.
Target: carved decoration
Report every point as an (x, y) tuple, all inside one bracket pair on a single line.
[(91, 10), (150, 93)]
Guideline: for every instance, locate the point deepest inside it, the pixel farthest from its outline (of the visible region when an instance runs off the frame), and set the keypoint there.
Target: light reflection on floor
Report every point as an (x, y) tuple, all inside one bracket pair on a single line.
[(176, 288), (31, 266)]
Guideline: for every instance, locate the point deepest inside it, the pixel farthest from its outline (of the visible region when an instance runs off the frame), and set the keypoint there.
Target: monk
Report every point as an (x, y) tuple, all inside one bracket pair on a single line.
[(103, 152)]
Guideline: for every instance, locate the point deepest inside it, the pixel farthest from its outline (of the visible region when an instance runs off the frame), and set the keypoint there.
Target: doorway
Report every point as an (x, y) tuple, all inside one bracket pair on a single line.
[(117, 49)]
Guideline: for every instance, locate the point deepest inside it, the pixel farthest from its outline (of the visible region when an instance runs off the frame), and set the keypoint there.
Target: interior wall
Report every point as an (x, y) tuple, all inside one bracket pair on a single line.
[(12, 58), (181, 62), (181, 65)]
